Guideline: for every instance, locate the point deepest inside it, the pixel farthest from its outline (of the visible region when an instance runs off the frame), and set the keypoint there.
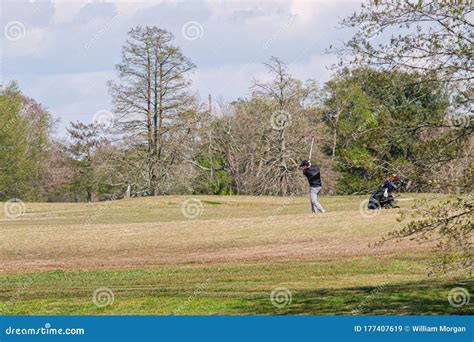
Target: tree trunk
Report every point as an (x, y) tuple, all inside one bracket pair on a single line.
[(128, 192), (334, 137)]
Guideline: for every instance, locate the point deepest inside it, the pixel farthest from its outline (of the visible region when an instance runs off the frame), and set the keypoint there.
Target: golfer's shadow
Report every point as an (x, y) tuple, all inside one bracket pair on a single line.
[(414, 298)]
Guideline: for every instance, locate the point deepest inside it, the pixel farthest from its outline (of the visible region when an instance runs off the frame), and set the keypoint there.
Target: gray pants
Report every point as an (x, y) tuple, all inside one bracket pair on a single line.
[(315, 206)]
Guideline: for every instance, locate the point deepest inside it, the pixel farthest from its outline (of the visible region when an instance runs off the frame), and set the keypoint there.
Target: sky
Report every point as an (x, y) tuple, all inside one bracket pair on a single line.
[(62, 53)]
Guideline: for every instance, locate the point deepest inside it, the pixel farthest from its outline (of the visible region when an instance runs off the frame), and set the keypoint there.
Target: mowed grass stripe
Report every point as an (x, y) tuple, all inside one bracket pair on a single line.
[(154, 258), (317, 287)]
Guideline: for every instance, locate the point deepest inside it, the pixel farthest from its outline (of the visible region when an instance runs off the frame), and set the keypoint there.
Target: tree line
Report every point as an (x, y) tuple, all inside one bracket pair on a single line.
[(159, 138), (366, 124)]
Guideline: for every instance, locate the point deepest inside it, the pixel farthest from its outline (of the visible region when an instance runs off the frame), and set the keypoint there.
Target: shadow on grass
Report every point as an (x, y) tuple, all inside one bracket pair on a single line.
[(420, 298)]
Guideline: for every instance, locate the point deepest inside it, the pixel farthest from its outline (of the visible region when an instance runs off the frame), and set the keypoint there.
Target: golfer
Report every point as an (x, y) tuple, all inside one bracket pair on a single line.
[(314, 178)]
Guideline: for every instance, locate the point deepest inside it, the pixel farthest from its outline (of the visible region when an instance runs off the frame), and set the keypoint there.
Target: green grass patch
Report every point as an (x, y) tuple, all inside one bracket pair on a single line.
[(228, 259), (345, 286), (211, 202)]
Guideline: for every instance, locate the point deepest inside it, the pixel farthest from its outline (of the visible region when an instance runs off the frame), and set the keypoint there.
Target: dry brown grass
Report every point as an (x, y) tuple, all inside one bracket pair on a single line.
[(153, 231)]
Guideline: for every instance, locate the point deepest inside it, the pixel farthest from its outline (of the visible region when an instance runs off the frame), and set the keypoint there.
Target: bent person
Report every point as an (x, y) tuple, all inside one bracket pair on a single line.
[(313, 174), (383, 197)]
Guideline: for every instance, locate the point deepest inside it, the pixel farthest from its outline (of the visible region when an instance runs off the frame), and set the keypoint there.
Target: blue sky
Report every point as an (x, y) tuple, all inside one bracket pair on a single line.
[(62, 53)]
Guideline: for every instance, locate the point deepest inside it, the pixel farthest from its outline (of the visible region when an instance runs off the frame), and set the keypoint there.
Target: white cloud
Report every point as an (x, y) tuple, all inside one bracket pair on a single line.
[(305, 10), (69, 96), (32, 42), (129, 8), (70, 47), (317, 68), (65, 11), (228, 82)]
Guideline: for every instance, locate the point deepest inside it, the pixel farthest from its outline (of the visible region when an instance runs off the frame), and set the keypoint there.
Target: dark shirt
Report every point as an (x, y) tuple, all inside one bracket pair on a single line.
[(389, 185), (314, 176)]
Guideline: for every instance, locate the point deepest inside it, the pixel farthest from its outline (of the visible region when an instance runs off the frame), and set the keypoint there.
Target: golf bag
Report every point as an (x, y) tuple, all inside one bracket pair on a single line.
[(381, 199)]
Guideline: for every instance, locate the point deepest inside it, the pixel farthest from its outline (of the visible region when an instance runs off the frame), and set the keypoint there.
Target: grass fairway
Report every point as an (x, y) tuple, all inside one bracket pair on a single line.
[(226, 260)]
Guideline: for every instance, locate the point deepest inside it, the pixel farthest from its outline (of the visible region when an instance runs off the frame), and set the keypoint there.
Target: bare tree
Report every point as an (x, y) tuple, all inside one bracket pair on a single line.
[(262, 139), (152, 101), (282, 95)]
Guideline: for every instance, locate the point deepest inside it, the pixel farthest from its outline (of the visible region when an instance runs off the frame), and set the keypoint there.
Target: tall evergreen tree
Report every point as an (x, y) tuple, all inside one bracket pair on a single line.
[(84, 142), (152, 102)]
